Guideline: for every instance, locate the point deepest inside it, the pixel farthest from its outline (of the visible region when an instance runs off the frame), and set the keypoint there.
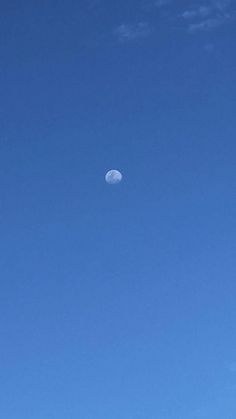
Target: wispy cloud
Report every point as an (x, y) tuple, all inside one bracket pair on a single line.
[(132, 31), (201, 12), (221, 4), (209, 16), (207, 25), (161, 3), (198, 16)]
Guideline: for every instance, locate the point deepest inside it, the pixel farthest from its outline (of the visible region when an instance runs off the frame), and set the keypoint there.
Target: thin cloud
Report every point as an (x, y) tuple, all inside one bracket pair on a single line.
[(206, 25), (161, 3), (201, 12), (213, 14), (221, 4), (131, 32)]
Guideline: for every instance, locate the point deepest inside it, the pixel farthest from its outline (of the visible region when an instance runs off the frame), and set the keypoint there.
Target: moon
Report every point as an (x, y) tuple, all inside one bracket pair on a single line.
[(113, 176)]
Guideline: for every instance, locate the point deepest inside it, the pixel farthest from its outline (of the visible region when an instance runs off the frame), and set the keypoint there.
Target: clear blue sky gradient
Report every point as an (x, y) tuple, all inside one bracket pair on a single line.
[(117, 302)]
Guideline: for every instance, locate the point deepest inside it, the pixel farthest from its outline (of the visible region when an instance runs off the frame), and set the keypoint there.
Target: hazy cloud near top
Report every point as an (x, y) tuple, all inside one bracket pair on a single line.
[(161, 3), (200, 16), (208, 16)]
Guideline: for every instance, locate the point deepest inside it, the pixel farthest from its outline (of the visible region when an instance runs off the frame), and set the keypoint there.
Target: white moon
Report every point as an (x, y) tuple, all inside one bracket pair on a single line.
[(113, 176)]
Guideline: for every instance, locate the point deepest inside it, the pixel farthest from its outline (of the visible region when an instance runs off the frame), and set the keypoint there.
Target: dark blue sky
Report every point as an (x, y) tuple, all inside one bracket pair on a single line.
[(117, 301)]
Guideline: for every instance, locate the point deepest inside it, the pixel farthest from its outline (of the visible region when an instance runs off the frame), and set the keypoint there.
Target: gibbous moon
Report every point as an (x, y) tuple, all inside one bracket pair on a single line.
[(113, 176)]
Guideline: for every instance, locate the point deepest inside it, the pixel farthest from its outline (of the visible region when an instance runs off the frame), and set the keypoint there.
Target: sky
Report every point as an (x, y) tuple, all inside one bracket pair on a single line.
[(117, 301)]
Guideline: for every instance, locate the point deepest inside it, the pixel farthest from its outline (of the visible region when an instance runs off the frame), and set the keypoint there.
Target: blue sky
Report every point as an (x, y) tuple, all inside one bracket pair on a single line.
[(118, 301)]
